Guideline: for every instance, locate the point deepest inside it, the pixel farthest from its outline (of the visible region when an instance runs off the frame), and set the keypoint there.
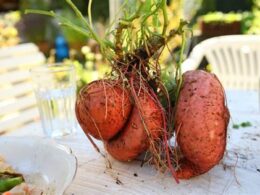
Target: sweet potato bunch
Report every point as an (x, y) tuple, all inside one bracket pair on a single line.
[(123, 119), (127, 120)]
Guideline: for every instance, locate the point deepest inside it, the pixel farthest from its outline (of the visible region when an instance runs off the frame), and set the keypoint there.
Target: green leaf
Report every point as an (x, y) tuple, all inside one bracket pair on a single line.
[(63, 21), (235, 126), (147, 6), (246, 124), (243, 125)]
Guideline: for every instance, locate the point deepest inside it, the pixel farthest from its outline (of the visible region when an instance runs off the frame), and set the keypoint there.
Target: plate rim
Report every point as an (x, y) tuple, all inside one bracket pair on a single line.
[(53, 142)]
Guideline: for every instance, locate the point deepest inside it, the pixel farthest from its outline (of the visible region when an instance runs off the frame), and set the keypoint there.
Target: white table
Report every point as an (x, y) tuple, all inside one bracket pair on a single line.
[(238, 173)]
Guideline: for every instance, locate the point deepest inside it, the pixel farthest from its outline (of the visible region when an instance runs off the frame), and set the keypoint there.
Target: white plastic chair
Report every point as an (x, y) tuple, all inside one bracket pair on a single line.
[(235, 59), (17, 101)]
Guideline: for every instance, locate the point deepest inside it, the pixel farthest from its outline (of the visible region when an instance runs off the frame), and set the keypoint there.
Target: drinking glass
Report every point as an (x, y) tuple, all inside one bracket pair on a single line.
[(55, 91)]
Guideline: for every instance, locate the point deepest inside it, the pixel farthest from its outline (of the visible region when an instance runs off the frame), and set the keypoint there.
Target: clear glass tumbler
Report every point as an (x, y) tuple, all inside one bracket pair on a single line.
[(55, 91)]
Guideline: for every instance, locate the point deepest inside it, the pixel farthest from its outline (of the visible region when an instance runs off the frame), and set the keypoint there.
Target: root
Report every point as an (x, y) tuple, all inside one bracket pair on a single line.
[(155, 147), (105, 92), (88, 136), (166, 145)]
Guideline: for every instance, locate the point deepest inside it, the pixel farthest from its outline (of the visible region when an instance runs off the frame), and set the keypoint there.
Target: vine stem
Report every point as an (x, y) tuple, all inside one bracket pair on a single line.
[(103, 44), (63, 21), (149, 14), (135, 15), (90, 14), (179, 70), (165, 17), (79, 14)]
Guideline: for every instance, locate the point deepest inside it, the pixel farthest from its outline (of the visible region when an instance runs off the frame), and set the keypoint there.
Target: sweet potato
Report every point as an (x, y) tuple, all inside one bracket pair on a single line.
[(133, 139), (102, 108), (201, 123)]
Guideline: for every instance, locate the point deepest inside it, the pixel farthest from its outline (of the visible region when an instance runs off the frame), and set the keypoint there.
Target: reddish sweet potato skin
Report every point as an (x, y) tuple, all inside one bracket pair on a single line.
[(133, 139), (201, 123), (102, 109)]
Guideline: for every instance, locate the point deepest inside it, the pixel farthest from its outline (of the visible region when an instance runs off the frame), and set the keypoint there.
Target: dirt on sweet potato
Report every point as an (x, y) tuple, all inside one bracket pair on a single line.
[(102, 108), (144, 123), (201, 123)]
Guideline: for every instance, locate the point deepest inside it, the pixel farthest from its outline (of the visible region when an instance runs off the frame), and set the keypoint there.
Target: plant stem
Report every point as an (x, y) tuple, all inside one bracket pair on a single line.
[(79, 14), (151, 13), (90, 14), (179, 71), (63, 21), (136, 14), (165, 17)]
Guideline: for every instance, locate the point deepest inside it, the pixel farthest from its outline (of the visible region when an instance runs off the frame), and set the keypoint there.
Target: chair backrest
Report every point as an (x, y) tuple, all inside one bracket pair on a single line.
[(17, 101), (235, 59)]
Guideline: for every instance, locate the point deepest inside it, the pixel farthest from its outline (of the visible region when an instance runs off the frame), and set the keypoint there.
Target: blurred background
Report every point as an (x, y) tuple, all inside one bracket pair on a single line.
[(208, 18)]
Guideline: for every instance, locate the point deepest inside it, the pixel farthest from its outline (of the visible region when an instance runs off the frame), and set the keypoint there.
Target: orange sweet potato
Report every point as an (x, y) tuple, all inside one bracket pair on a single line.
[(102, 108), (201, 123), (133, 139)]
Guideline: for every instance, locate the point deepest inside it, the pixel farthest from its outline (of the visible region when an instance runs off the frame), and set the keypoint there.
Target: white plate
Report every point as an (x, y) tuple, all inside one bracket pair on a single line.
[(43, 162)]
